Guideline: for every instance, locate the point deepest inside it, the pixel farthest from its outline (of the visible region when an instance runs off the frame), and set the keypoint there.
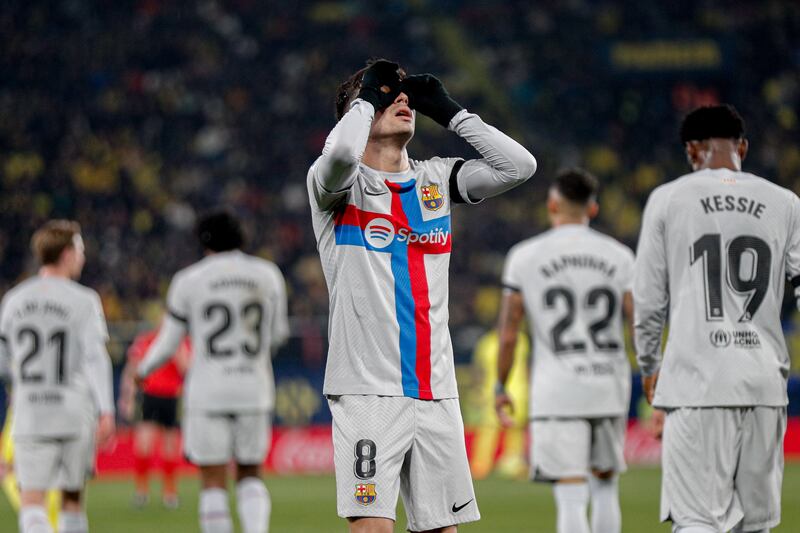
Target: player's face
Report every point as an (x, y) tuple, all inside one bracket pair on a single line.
[(396, 121)]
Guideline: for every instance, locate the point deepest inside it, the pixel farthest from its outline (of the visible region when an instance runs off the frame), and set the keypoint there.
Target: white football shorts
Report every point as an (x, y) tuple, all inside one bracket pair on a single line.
[(574, 447), (385, 445), (212, 438), (722, 466)]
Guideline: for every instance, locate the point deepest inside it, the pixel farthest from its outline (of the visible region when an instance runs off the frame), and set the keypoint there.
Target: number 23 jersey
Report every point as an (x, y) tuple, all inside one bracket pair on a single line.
[(234, 307), (572, 280), (715, 249)]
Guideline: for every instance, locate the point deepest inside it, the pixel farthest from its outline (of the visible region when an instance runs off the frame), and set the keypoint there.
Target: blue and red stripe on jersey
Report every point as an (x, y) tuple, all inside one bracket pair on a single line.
[(412, 301)]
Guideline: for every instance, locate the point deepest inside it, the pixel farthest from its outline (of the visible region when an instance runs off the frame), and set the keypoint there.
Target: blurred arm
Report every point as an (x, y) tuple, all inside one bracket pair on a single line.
[(334, 172), (650, 289), (505, 164), (100, 375), (511, 313), (164, 347), (280, 319)]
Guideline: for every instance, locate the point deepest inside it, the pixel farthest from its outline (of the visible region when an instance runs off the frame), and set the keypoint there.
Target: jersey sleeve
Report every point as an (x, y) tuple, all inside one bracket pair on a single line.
[(505, 163), (334, 172), (98, 362), (793, 249), (512, 277), (177, 299), (626, 269), (650, 286), (5, 354), (96, 327)]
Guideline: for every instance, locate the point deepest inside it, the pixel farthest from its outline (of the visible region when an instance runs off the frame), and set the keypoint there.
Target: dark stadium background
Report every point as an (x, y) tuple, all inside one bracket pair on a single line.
[(133, 116)]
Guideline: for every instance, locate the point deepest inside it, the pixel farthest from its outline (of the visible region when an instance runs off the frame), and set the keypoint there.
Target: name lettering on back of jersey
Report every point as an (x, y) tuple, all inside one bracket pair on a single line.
[(564, 262), (45, 308), (235, 282), (739, 204)]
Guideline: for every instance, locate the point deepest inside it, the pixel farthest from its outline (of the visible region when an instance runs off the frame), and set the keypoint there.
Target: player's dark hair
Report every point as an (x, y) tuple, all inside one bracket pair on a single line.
[(576, 185), (52, 239), (712, 122), (219, 231), (348, 89)]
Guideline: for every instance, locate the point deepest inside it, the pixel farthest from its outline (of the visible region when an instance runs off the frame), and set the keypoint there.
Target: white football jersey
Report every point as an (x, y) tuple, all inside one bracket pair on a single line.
[(234, 307), (572, 279), (50, 327), (715, 249)]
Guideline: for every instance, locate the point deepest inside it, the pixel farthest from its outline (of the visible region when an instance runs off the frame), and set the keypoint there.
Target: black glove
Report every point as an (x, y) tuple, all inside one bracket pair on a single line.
[(427, 95), (380, 84)]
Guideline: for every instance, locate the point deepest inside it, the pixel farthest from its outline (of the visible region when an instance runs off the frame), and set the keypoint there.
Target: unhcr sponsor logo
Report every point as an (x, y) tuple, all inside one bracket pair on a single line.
[(721, 338)]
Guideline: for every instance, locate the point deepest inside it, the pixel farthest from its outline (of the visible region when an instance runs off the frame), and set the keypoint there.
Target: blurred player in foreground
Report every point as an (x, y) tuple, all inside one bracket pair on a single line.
[(574, 285), (233, 306), (714, 252), (382, 223), (55, 333), (159, 416)]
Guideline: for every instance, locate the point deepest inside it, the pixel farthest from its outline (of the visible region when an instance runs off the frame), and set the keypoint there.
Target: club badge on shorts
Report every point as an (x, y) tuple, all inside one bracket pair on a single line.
[(365, 493), (431, 197)]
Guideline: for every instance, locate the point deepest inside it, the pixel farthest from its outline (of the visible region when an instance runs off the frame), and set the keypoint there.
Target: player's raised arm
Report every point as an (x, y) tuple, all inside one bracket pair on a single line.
[(650, 287), (505, 164), (334, 172)]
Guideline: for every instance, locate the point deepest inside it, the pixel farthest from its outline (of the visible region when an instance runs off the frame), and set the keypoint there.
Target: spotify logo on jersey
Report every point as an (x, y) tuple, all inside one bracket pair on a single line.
[(379, 233)]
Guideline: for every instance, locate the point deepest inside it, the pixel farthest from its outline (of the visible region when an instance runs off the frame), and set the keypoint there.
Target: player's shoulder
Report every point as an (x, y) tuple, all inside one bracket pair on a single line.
[(435, 168), (612, 245), (532, 245), (263, 265)]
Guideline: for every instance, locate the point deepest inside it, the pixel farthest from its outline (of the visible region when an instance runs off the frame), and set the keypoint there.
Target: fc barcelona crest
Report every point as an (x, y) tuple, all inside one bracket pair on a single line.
[(431, 197), (365, 493)]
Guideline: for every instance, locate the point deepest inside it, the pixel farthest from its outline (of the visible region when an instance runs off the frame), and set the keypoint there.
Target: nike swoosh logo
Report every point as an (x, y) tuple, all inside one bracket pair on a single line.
[(457, 508)]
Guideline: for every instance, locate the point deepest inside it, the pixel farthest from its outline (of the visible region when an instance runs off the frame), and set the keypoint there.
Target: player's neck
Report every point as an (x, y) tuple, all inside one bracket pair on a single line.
[(385, 156), (54, 271), (569, 220)]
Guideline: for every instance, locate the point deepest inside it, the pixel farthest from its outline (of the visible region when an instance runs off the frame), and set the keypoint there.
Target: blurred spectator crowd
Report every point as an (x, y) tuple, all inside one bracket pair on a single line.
[(133, 116)]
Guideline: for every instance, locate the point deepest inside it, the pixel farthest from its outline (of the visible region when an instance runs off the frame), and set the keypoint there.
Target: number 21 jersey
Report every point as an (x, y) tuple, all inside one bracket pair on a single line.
[(234, 307), (50, 328), (572, 281), (715, 249)]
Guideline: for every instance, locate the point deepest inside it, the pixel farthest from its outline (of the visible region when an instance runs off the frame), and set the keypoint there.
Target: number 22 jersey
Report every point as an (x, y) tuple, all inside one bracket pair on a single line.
[(714, 252), (572, 280)]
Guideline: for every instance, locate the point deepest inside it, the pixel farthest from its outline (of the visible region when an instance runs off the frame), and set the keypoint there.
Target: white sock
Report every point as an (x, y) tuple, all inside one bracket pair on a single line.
[(33, 519), (693, 529), (606, 514), (572, 499), (72, 522), (215, 517), (254, 505)]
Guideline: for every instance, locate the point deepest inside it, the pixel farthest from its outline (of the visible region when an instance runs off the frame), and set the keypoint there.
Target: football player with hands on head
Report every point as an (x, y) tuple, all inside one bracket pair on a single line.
[(382, 223), (54, 333), (715, 251), (574, 285), (233, 307)]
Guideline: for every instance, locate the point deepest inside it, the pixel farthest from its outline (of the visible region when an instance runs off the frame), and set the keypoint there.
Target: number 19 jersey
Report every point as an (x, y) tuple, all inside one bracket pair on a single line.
[(234, 307), (572, 281), (714, 252), (49, 327)]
